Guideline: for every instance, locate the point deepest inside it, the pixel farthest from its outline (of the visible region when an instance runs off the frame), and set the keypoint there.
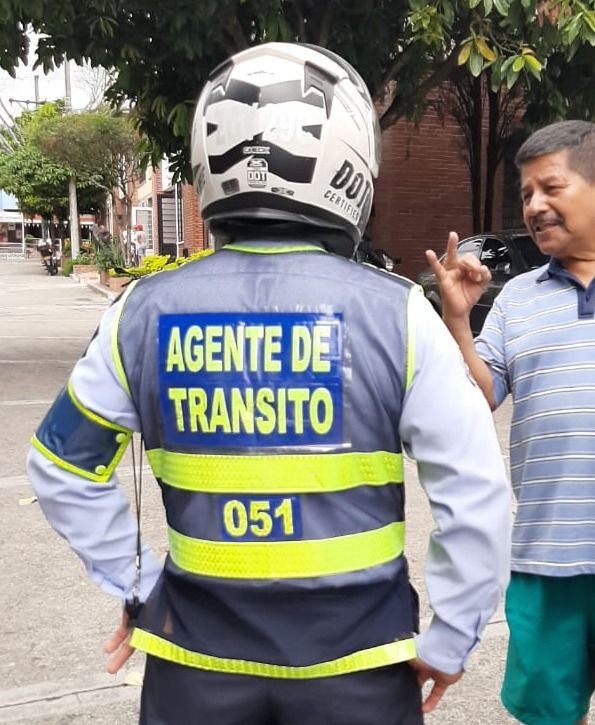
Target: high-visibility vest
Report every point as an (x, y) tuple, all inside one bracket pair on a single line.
[(269, 381)]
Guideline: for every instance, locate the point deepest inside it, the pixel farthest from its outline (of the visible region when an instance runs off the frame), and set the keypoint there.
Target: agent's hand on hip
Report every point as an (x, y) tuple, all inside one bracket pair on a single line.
[(441, 681), (119, 646)]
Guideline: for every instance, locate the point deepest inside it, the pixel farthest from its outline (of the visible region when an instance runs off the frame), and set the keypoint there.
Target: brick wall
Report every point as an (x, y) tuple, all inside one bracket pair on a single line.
[(193, 226), (423, 191)]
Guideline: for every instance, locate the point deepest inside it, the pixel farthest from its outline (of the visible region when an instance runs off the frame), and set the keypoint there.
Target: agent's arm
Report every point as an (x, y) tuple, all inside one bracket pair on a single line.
[(447, 427), (71, 467)]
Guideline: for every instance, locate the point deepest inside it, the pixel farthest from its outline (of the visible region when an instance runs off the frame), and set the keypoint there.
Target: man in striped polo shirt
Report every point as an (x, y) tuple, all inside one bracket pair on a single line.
[(538, 344)]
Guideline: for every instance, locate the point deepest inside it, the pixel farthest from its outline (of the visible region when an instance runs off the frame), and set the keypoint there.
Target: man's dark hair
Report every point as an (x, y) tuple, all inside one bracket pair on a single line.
[(576, 137)]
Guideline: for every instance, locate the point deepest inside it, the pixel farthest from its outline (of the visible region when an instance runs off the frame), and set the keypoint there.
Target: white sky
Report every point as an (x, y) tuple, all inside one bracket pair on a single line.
[(51, 86)]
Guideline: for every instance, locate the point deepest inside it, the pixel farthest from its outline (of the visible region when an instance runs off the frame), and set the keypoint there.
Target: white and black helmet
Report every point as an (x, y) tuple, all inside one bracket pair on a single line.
[(286, 132)]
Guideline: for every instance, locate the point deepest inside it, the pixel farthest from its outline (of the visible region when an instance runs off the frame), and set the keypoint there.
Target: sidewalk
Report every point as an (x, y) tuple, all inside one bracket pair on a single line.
[(96, 287)]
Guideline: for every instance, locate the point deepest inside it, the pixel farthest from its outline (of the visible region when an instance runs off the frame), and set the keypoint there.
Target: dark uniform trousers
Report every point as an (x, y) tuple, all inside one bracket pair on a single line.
[(177, 695)]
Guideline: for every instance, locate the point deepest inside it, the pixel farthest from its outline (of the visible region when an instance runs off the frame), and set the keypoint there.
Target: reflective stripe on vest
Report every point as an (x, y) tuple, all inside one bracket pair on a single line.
[(116, 357), (367, 659), (272, 474), (287, 559), (276, 248)]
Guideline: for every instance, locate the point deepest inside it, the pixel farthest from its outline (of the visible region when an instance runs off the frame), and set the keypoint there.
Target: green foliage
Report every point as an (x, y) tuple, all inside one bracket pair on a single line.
[(567, 90), (109, 255), (67, 267), (40, 185), (93, 145), (85, 258), (39, 182), (158, 263), (162, 53)]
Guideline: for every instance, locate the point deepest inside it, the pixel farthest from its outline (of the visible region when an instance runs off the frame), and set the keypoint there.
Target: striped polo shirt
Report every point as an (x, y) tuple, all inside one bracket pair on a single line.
[(539, 341)]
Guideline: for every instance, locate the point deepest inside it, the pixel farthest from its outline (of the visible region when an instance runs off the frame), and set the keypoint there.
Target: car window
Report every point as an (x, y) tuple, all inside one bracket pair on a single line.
[(495, 255), (530, 252), (471, 246)]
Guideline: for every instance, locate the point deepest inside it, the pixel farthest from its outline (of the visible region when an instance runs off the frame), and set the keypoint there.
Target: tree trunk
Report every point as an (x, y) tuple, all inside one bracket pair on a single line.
[(476, 129), (45, 229), (75, 238), (123, 239), (491, 157)]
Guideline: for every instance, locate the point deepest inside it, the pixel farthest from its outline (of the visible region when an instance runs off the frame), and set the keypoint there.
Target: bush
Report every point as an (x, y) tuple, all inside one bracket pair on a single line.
[(84, 258), (158, 263), (109, 256), (67, 268)]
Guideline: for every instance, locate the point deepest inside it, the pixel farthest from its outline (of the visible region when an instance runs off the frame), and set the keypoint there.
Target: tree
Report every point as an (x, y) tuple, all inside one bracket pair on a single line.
[(482, 111), (567, 91), (98, 147), (94, 82), (497, 94), (39, 183), (162, 53)]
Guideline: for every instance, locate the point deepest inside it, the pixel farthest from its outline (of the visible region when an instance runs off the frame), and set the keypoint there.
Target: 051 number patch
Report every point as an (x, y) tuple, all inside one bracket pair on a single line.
[(260, 518)]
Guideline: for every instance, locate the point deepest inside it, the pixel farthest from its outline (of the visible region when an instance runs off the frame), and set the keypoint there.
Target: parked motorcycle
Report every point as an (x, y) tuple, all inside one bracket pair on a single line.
[(50, 257), (376, 257)]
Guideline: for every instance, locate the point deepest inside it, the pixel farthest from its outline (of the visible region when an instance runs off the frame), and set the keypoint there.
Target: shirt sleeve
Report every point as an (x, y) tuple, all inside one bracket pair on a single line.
[(447, 428), (489, 345), (95, 518)]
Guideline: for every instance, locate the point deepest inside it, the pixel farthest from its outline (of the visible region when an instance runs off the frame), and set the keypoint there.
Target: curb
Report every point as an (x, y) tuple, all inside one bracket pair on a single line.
[(96, 287), (62, 699)]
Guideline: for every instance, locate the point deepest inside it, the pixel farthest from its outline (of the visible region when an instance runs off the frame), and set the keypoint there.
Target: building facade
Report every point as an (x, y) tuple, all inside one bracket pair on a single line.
[(12, 227)]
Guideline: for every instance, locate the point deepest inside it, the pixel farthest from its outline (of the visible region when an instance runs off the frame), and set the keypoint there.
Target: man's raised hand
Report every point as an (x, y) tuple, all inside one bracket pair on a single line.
[(462, 280)]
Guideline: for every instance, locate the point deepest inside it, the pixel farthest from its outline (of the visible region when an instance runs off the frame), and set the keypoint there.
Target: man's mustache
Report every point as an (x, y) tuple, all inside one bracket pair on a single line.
[(542, 220)]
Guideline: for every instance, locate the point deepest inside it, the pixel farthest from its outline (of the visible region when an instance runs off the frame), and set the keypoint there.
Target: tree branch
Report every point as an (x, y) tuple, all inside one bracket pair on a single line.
[(88, 180), (326, 23), (9, 127), (400, 61), (299, 19), (397, 108), (234, 30)]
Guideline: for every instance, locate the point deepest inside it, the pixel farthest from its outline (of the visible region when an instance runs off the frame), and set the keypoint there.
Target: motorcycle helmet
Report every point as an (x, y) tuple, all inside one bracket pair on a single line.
[(286, 133)]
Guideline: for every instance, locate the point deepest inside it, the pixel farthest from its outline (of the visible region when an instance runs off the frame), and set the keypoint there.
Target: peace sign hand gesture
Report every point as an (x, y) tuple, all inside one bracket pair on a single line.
[(462, 280)]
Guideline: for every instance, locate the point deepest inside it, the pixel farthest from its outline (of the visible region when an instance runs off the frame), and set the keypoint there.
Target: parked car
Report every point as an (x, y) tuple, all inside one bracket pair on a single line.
[(505, 254)]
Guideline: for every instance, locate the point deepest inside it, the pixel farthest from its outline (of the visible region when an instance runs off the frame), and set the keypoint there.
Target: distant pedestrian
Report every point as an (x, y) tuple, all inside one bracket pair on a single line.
[(140, 243), (100, 234)]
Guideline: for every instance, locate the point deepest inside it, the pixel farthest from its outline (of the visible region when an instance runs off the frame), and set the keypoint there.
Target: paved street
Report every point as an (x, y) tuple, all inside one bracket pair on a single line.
[(54, 620)]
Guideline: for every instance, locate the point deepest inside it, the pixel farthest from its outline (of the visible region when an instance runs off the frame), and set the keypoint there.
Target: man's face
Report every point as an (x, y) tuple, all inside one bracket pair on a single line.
[(558, 207)]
